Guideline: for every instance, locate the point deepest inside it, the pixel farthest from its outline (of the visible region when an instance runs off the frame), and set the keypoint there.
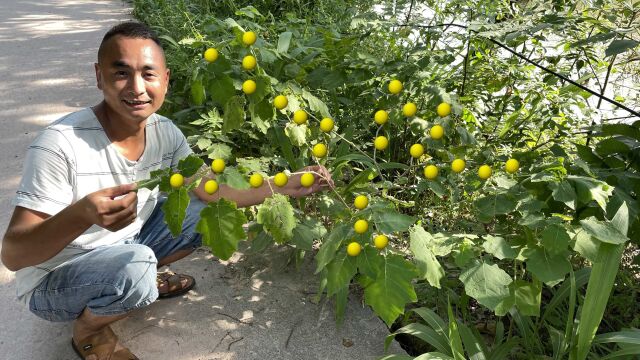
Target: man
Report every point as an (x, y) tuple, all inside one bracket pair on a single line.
[(84, 244)]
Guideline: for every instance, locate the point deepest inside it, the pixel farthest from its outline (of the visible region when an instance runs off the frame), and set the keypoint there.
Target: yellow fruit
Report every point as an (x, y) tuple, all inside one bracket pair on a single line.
[(380, 242), (443, 109), (211, 55), (217, 166), (431, 172), (176, 180), (361, 202), (409, 109), (280, 102), (395, 86), (210, 187), (416, 150), (249, 87), (381, 117), (381, 143), (281, 179), (300, 117), (353, 249), (511, 166), (320, 150), (249, 38), (458, 165), (326, 125), (361, 226), (256, 180), (307, 179), (436, 132), (484, 172), (249, 62)]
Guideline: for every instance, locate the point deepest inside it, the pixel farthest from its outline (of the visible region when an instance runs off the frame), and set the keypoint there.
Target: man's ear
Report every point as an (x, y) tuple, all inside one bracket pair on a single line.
[(166, 79), (96, 66)]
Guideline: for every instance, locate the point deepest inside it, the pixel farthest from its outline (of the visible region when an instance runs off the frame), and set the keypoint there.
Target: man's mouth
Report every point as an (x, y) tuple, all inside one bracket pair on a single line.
[(136, 102)]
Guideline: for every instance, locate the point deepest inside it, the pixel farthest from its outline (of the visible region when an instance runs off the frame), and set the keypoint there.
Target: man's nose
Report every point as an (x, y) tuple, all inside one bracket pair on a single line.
[(137, 85)]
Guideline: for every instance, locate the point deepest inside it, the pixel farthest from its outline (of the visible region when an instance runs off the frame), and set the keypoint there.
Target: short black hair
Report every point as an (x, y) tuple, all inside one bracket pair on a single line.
[(129, 29)]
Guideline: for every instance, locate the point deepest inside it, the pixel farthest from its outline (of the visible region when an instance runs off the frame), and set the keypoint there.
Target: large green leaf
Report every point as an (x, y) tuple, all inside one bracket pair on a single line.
[(306, 232), (297, 134), (428, 266), (233, 113), (565, 193), (283, 42), (175, 210), (492, 205), (499, 247), (555, 239), (221, 89), (330, 245), (389, 221), (424, 333), (550, 269), (189, 165), (315, 104), (370, 262), (233, 178), (392, 289), (603, 230), (591, 189), (262, 114), (221, 227), (486, 283), (340, 271), (619, 46), (277, 216), (525, 296)]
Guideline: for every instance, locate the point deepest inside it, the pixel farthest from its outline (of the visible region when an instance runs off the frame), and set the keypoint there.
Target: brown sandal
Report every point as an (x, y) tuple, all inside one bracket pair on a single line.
[(102, 345), (174, 284)]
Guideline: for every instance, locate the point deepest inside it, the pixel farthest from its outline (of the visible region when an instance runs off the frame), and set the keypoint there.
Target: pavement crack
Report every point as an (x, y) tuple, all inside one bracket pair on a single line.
[(241, 321)]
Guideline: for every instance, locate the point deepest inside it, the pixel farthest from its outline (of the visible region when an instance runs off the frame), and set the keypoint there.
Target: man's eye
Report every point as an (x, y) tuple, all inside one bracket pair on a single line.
[(121, 73), (150, 75)]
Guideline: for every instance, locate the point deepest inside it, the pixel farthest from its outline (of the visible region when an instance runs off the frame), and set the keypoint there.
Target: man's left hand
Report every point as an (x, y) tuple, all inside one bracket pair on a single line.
[(322, 182)]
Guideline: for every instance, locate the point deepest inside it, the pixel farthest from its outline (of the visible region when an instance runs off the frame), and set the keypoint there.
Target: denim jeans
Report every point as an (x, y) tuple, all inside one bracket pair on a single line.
[(115, 279)]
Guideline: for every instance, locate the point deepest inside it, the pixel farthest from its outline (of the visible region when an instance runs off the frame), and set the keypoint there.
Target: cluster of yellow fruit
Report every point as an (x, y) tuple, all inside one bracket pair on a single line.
[(249, 62), (361, 226)]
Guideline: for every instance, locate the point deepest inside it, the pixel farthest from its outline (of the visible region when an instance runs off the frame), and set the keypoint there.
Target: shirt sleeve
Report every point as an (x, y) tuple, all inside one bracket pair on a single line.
[(181, 149), (47, 177)]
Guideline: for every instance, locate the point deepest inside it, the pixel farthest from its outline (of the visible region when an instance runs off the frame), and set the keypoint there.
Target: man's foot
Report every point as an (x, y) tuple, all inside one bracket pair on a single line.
[(102, 345), (171, 284)]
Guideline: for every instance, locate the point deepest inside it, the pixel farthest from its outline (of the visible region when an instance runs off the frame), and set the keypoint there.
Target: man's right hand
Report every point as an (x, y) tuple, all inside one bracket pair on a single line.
[(112, 208)]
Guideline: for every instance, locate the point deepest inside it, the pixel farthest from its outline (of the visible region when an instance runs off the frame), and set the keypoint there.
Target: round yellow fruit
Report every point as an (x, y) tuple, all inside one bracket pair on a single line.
[(395, 86), (381, 143), (280, 102), (457, 165), (353, 249), (436, 132), (381, 117), (249, 87), (431, 172), (176, 180), (307, 179), (249, 38), (320, 150), (443, 109), (380, 242), (300, 117), (211, 55), (210, 187), (416, 150), (249, 62), (484, 172), (361, 226), (256, 180), (409, 109), (326, 125), (217, 166), (281, 179), (361, 202), (511, 166)]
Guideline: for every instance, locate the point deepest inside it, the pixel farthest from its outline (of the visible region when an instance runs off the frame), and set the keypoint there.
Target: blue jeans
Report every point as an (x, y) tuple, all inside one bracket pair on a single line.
[(116, 279)]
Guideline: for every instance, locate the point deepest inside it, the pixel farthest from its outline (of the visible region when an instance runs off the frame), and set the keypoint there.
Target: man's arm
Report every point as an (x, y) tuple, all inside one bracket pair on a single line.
[(33, 237), (255, 196)]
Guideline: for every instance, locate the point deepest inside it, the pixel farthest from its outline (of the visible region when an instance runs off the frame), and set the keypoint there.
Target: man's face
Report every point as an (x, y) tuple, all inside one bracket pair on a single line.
[(133, 77)]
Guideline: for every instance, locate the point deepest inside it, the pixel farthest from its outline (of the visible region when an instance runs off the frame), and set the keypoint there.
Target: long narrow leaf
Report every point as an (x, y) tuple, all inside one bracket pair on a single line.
[(474, 347), (454, 336), (433, 320), (423, 333), (629, 350), (503, 350)]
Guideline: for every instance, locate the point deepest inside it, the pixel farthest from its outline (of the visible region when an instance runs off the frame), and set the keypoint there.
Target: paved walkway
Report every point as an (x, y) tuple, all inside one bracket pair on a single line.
[(253, 307)]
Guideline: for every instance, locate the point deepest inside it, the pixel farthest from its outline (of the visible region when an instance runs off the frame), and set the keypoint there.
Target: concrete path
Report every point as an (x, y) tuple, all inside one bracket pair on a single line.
[(252, 307)]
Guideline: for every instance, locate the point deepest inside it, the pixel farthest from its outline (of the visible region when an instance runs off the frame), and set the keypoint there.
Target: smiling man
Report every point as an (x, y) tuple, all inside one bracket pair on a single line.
[(84, 244)]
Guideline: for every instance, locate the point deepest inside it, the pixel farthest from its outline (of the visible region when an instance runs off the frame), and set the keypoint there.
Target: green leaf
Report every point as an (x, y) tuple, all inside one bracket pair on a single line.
[(340, 271), (221, 89), (221, 227), (262, 114), (428, 266), (233, 114), (594, 39), (277, 216), (389, 221), (486, 283), (306, 232), (190, 165), (591, 189), (369, 262), (283, 42), (233, 178), (550, 269), (611, 146), (297, 134), (555, 239), (175, 210), (330, 245), (619, 46), (424, 333), (197, 92), (564, 193), (219, 151), (315, 104), (498, 247), (525, 296), (586, 245), (492, 205), (454, 336), (392, 289), (603, 231)]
